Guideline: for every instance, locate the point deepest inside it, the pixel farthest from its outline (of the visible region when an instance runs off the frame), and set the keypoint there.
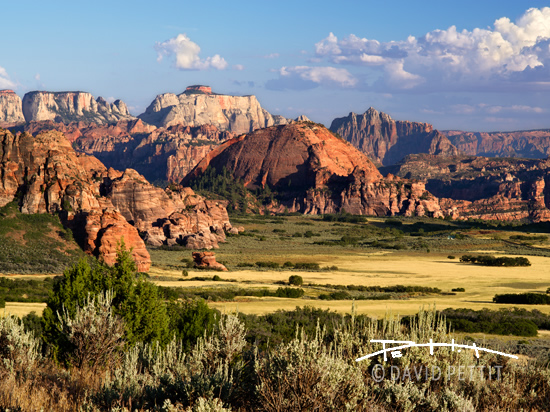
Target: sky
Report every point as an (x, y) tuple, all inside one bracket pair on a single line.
[(480, 65)]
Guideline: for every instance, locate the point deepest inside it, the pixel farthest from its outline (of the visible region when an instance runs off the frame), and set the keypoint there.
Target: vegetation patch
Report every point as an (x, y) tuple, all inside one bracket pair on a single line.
[(523, 298), (485, 260)]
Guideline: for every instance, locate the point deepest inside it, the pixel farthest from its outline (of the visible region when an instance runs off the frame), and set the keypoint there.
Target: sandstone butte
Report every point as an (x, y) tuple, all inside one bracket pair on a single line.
[(89, 199), (10, 107), (387, 141), (66, 107), (316, 172), (199, 106)]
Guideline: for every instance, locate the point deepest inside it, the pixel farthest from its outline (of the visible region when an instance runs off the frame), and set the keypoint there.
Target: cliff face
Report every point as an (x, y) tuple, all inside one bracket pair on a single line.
[(102, 206), (533, 144), (158, 154), (174, 216), (66, 107), (387, 141), (237, 114), (10, 107), (313, 171), (48, 177), (484, 188)]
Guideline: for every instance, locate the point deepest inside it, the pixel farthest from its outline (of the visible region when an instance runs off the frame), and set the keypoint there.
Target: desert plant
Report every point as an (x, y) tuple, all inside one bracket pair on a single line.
[(19, 349), (94, 332), (295, 280)]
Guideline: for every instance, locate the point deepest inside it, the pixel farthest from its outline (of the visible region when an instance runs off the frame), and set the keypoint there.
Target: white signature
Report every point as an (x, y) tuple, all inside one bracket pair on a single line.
[(396, 350)]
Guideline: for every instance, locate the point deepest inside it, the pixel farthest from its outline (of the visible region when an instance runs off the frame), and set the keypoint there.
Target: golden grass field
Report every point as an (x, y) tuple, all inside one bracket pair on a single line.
[(387, 269)]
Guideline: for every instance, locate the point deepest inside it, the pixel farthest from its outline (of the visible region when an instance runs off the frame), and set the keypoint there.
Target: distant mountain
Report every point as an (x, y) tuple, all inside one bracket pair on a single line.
[(483, 187), (10, 107), (387, 141), (199, 106), (533, 144)]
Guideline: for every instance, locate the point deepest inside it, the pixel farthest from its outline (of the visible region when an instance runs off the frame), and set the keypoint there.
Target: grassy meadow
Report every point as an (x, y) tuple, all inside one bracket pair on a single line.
[(373, 252)]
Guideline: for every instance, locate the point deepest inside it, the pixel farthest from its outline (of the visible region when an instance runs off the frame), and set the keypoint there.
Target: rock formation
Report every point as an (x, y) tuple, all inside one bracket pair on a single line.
[(10, 107), (157, 153), (314, 171), (387, 141), (207, 260), (66, 107), (533, 144), (199, 106), (484, 188), (45, 175)]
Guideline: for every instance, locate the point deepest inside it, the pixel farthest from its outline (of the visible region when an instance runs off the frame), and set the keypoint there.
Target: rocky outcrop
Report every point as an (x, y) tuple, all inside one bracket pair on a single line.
[(45, 175), (174, 216), (484, 188), (207, 260), (66, 107), (158, 154), (387, 141), (10, 107), (195, 107), (314, 171), (534, 144)]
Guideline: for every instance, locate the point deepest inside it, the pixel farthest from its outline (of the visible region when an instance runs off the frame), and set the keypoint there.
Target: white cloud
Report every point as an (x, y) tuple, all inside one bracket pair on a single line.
[(239, 67), (320, 75), (271, 56), (5, 82), (186, 54), (452, 59), (308, 77)]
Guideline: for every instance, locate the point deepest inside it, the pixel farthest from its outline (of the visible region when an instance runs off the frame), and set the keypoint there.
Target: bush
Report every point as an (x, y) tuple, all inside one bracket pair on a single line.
[(458, 290), (289, 293), (523, 298), (216, 278), (135, 300), (272, 265), (451, 257), (486, 260), (288, 265), (295, 280), (184, 273), (245, 265), (306, 266)]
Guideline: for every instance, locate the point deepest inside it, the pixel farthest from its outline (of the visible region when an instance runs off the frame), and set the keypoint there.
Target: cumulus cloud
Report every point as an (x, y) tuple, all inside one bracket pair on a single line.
[(5, 81), (186, 54), (450, 59), (307, 77)]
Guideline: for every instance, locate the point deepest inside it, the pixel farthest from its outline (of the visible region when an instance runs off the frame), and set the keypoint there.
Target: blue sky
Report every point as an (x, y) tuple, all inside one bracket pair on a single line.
[(470, 65)]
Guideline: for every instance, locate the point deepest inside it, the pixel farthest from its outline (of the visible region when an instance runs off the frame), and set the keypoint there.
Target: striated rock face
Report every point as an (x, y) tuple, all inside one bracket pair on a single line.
[(313, 171), (158, 154), (10, 107), (66, 107), (174, 216), (387, 141), (533, 144), (195, 107), (485, 188), (48, 177)]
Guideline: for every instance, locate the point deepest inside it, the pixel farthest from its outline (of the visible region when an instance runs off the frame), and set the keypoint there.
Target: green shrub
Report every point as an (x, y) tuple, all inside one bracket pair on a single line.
[(458, 290), (216, 278), (486, 260), (289, 293), (288, 265), (184, 273), (523, 298), (272, 265), (245, 265), (451, 257), (306, 266), (295, 280)]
